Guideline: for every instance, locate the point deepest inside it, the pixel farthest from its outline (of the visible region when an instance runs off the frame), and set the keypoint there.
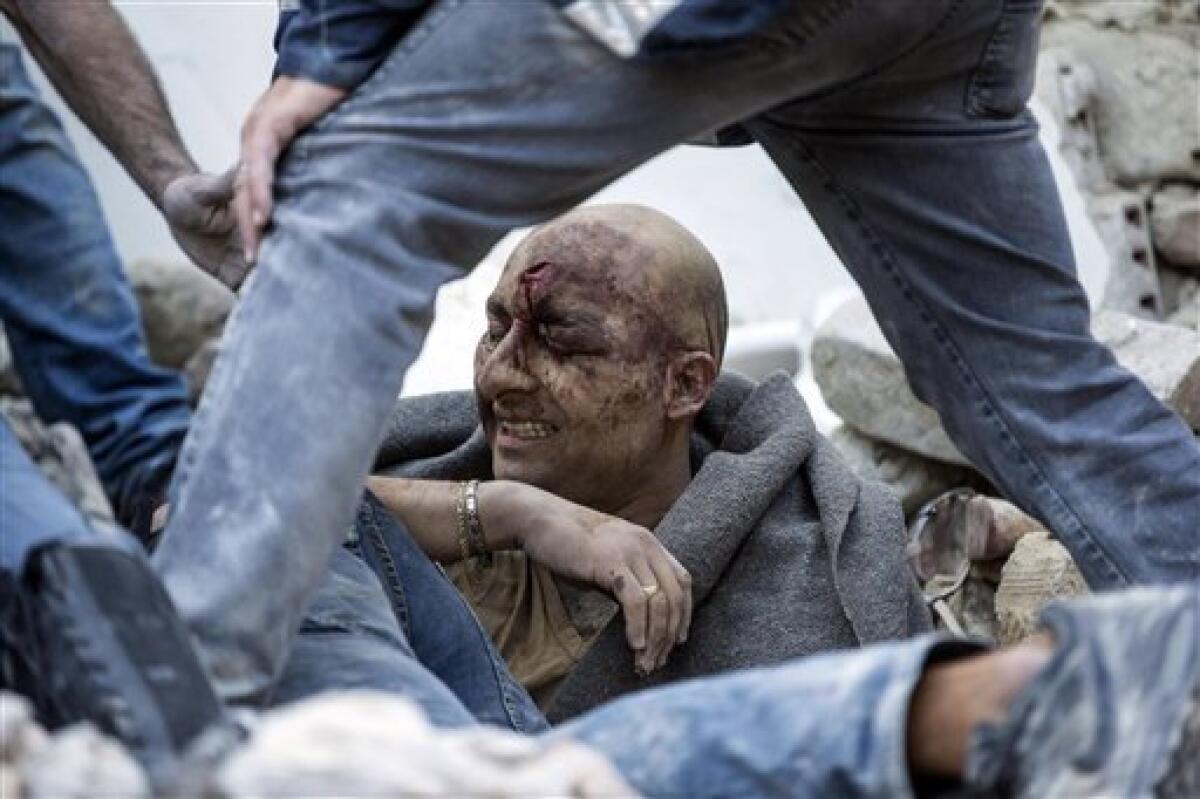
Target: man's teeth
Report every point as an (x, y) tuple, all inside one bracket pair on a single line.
[(527, 429)]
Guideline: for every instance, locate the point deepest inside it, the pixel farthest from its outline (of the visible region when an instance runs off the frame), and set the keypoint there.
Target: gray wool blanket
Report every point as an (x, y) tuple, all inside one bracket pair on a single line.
[(790, 553)]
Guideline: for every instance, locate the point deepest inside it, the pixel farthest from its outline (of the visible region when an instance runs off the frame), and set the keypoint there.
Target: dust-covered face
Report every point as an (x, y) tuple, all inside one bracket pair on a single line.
[(570, 373)]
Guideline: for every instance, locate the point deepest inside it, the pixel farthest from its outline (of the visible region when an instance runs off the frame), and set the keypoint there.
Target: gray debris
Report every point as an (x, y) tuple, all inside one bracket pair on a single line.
[(181, 308), (1146, 130), (59, 451), (1165, 357), (1039, 570), (914, 479), (1175, 219), (863, 382)]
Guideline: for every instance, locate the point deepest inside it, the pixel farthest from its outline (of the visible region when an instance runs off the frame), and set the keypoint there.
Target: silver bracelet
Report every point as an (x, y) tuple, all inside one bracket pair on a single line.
[(475, 537)]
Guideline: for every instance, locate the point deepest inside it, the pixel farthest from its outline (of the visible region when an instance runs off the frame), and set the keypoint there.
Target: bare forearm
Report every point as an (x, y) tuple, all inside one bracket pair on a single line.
[(89, 54), (429, 509)]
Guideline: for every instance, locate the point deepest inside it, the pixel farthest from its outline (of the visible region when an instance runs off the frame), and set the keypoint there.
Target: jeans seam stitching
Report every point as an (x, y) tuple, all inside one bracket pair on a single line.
[(989, 405), (1000, 36), (396, 596)]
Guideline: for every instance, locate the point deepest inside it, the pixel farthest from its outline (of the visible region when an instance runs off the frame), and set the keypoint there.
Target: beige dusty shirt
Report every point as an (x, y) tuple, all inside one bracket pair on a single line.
[(541, 625)]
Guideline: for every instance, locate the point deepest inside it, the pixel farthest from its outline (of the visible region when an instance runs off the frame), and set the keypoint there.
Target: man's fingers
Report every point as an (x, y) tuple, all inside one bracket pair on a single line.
[(628, 592), (241, 210), (685, 583), (673, 602), (658, 613)]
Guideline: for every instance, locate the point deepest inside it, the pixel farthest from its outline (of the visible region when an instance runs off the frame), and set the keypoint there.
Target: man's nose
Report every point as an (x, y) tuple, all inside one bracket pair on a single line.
[(506, 367)]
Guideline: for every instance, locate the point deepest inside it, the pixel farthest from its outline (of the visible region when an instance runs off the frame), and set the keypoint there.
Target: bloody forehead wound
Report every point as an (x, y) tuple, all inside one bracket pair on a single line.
[(535, 283)]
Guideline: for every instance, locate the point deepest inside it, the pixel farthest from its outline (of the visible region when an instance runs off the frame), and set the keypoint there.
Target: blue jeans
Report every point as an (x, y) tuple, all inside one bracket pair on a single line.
[(900, 123), (68, 309), (385, 617)]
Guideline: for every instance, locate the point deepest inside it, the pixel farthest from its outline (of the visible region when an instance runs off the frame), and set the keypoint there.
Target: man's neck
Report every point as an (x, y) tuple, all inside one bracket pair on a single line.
[(651, 501)]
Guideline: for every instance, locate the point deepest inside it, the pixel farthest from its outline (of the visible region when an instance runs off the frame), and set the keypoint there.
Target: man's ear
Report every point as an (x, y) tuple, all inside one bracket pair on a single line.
[(690, 379)]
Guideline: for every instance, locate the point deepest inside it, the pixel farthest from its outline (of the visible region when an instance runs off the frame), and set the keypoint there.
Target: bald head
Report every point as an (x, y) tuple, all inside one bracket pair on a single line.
[(659, 260)]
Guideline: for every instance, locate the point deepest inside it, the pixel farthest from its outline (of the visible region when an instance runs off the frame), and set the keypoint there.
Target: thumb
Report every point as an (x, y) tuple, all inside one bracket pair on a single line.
[(208, 189)]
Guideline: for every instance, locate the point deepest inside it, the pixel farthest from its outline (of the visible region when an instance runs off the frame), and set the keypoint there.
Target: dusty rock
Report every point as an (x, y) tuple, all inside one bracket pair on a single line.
[(1039, 570), (1146, 131), (1175, 220), (21, 737), (1187, 306), (59, 451), (863, 382), (81, 762), (1165, 357), (77, 761), (198, 368), (1127, 15), (915, 479), (181, 307), (1122, 221), (364, 743)]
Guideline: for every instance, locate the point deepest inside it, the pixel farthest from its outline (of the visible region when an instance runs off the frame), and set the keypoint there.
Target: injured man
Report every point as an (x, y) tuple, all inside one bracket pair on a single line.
[(1102, 701), (600, 415)]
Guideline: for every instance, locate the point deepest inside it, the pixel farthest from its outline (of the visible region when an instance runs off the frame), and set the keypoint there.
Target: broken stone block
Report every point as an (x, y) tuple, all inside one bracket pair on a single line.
[(181, 308), (1125, 14), (1165, 357), (914, 479), (1187, 312), (1122, 221), (1175, 220), (863, 382), (61, 454), (368, 743), (79, 761), (1039, 570), (1146, 132)]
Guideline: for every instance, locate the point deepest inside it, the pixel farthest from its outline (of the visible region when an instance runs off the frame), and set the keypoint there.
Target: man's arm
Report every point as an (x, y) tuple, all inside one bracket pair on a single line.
[(93, 60), (91, 57), (572, 541)]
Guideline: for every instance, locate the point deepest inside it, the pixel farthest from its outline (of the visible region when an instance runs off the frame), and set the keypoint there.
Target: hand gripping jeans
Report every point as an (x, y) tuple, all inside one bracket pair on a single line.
[(900, 123), (68, 309)]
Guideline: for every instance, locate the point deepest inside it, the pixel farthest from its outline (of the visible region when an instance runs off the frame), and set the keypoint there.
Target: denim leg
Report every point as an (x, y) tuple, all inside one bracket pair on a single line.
[(443, 630), (951, 223), (831, 725), (33, 513), (68, 309), (349, 639), (485, 117)]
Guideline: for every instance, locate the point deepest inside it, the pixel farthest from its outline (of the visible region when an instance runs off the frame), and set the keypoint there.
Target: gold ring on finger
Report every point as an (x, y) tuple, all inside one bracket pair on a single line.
[(650, 590)]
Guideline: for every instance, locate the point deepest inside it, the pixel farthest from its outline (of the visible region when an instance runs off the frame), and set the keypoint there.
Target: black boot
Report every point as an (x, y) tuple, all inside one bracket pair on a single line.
[(102, 642)]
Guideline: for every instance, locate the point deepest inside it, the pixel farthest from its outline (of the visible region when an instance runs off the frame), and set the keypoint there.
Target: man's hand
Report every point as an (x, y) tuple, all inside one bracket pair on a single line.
[(287, 108), (199, 209), (624, 559)]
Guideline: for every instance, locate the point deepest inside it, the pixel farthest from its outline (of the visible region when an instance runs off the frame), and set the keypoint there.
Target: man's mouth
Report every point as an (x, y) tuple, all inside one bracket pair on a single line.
[(526, 431)]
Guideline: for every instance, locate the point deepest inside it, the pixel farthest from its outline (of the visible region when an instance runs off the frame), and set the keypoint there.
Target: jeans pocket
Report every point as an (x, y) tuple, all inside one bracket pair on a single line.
[(1003, 82)]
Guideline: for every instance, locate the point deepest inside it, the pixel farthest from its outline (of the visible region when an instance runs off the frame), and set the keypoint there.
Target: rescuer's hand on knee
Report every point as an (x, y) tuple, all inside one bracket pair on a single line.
[(199, 209), (287, 108)]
